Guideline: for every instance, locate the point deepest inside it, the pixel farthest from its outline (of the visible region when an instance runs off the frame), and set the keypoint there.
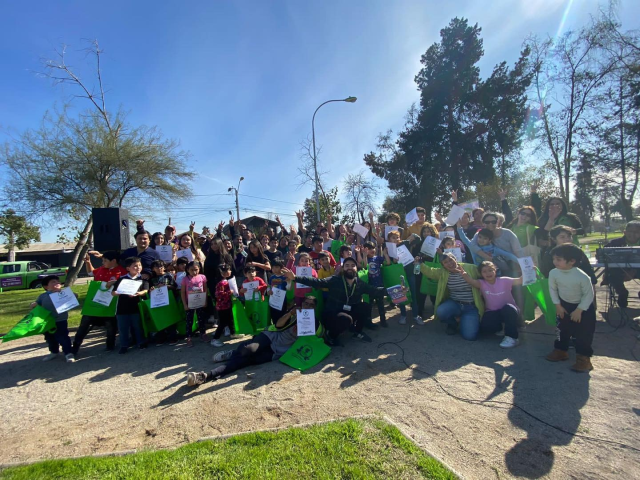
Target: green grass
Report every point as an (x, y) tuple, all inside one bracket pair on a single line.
[(345, 449), (596, 240), (15, 304)]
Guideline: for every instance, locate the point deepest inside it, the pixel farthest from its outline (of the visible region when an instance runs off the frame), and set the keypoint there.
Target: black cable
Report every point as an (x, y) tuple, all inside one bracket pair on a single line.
[(484, 403)]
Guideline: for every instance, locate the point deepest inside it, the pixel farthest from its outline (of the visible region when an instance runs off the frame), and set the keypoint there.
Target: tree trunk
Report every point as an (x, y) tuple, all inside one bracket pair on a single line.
[(11, 249), (79, 252)]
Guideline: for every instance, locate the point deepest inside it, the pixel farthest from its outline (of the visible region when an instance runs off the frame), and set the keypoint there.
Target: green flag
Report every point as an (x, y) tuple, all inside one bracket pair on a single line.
[(540, 293), (37, 321), (93, 309), (305, 353)]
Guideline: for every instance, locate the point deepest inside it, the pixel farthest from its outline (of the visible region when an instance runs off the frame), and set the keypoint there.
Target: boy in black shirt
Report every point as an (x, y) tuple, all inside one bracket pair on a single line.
[(127, 311)]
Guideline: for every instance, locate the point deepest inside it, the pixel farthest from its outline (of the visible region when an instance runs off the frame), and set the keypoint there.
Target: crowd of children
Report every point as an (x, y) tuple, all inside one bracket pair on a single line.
[(472, 276)]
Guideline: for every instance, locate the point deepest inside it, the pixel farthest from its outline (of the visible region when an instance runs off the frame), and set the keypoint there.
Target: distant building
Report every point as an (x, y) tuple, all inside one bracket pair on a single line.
[(54, 254), (253, 223)]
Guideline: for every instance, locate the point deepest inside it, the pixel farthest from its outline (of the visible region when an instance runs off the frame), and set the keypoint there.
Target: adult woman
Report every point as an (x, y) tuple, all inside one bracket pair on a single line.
[(258, 259), (524, 227), (556, 213), (185, 242), (502, 238), (217, 255), (157, 239)]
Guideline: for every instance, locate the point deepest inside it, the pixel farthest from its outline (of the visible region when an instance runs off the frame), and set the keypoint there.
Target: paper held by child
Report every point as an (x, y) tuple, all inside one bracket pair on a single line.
[(392, 250), (361, 230), (103, 296), (456, 253), (397, 294), (445, 234), (277, 298), (303, 272), (528, 270), (233, 285), (165, 252), (128, 287), (388, 229), (455, 214), (306, 321), (64, 300), (250, 287), (159, 297), (404, 255), (429, 246), (412, 217), (197, 300), (185, 253)]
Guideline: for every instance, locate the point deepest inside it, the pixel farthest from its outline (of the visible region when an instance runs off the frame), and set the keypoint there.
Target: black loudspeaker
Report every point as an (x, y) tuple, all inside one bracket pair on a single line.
[(110, 229)]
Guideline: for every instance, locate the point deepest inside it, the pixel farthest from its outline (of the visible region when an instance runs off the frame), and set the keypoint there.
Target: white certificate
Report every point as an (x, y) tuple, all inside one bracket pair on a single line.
[(251, 287), (306, 320), (388, 229), (470, 206), (185, 253), (197, 300), (455, 214), (64, 300), (277, 298), (128, 287), (456, 253), (411, 217), (528, 270), (404, 255), (159, 297), (303, 272), (445, 234), (103, 297), (165, 252), (392, 249), (361, 230), (233, 285), (429, 246)]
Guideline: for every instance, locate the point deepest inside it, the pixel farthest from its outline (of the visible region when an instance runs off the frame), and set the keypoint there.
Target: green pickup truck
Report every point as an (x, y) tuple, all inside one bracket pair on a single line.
[(17, 275)]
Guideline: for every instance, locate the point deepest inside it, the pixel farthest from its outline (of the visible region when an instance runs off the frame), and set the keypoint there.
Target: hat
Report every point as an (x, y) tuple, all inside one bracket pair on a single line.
[(170, 227), (350, 259)]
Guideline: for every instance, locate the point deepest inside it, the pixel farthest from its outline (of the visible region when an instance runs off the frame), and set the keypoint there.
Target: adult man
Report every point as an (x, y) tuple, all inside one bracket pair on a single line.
[(170, 235), (142, 250), (343, 307), (317, 248), (417, 227), (617, 276)]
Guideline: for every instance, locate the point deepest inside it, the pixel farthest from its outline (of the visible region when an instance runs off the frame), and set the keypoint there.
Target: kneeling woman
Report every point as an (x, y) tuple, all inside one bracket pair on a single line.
[(263, 348), (500, 307)]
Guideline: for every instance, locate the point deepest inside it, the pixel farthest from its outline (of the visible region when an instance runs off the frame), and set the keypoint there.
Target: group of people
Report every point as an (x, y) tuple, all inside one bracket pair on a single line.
[(473, 280)]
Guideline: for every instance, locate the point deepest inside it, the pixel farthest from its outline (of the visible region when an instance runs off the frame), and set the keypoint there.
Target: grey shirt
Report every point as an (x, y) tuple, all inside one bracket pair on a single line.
[(44, 300), (281, 341), (506, 241)]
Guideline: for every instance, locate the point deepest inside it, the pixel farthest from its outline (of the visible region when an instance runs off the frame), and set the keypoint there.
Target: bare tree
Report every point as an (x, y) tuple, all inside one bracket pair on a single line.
[(306, 172), (360, 195)]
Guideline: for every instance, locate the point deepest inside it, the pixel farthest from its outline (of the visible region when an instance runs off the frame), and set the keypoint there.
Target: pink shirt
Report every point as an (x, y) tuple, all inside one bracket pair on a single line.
[(194, 284), (497, 295)]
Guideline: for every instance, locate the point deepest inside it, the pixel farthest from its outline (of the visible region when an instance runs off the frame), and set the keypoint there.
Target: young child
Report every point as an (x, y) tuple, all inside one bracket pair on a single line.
[(325, 270), (60, 337), (127, 311), (485, 243), (300, 292), (561, 235), (251, 276), (343, 253), (500, 306), (160, 278), (394, 237), (572, 293), (194, 282), (181, 267), (223, 306), (373, 262), (277, 281)]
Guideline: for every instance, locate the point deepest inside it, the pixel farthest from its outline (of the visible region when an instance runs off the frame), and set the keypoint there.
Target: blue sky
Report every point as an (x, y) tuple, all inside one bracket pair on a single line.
[(237, 82)]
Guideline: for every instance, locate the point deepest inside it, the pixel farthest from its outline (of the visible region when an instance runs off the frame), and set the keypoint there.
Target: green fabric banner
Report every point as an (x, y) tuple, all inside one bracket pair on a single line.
[(540, 293), (36, 322), (305, 353), (93, 309), (391, 277)]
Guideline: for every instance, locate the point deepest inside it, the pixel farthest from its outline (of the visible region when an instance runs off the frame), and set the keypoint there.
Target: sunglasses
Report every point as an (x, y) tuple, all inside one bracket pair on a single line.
[(490, 222), (526, 214)]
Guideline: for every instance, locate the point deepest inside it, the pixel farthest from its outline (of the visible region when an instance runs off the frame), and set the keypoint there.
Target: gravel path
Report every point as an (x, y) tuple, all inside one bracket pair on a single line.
[(107, 402)]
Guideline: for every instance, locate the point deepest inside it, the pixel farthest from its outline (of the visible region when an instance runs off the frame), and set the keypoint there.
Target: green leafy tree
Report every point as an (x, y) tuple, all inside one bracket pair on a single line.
[(329, 205), (18, 233), (462, 124)]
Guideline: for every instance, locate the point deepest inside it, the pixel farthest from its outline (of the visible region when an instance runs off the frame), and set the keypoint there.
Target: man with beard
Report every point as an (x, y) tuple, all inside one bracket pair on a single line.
[(343, 308)]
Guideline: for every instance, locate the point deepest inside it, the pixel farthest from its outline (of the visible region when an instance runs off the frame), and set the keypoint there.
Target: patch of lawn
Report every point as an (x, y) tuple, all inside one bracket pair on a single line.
[(15, 304), (346, 449)]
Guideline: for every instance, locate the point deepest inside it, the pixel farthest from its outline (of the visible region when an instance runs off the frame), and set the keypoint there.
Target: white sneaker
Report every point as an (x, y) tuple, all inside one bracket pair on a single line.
[(216, 343), (222, 356), (419, 320), (50, 356), (508, 342), (227, 332), (403, 320), (70, 358)]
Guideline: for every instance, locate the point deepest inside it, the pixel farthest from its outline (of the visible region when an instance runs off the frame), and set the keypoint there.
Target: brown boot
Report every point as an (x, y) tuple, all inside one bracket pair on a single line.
[(583, 364), (557, 356)]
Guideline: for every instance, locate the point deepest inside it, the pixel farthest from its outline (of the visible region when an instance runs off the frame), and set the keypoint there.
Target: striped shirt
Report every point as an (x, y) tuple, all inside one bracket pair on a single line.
[(459, 290)]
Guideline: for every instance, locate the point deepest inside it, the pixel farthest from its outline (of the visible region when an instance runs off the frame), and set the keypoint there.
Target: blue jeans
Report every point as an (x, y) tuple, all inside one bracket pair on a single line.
[(448, 310), (125, 324)]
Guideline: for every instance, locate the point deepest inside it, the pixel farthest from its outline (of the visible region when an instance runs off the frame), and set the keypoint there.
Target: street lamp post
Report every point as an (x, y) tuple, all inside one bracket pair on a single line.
[(236, 190), (315, 159)]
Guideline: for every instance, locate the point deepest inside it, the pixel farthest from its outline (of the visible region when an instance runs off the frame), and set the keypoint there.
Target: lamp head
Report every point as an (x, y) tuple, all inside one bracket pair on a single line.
[(241, 178), (351, 99), (229, 189)]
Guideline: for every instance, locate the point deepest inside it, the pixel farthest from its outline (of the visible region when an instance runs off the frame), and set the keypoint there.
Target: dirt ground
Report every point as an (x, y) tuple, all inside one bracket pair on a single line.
[(107, 402)]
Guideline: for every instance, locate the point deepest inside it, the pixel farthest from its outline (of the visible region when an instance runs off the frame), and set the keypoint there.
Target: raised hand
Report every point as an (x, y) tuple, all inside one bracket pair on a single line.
[(221, 225), (534, 187), (454, 195), (139, 222), (288, 273), (231, 221), (278, 220), (192, 226), (438, 217), (503, 194)]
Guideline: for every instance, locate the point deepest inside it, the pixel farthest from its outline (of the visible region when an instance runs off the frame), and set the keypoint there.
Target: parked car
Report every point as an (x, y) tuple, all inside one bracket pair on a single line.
[(27, 274)]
